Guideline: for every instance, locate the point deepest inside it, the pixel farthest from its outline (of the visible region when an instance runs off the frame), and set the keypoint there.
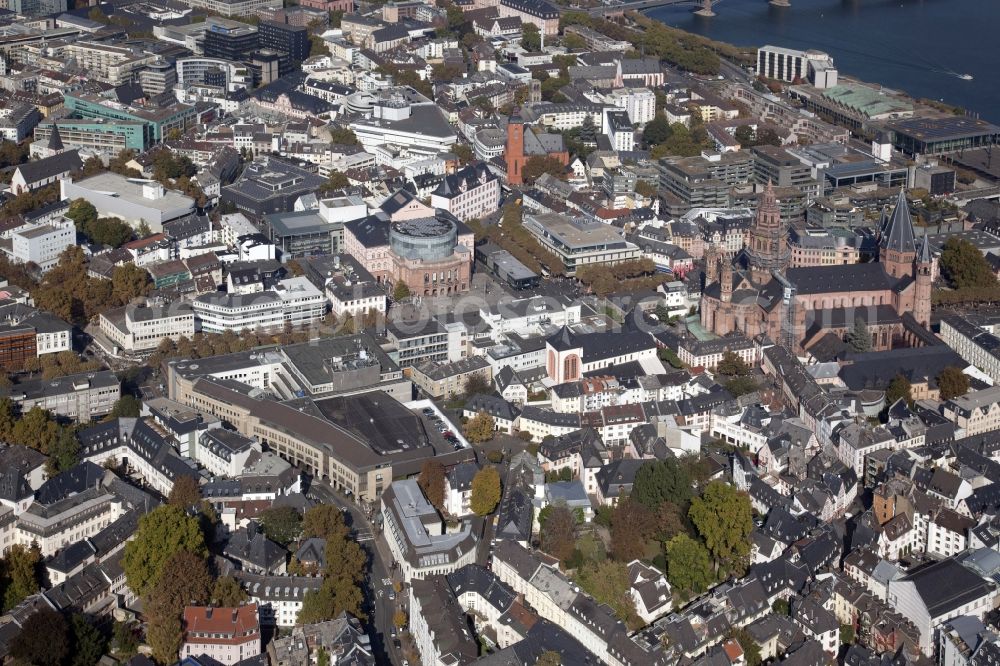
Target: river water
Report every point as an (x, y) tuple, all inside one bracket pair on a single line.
[(918, 46)]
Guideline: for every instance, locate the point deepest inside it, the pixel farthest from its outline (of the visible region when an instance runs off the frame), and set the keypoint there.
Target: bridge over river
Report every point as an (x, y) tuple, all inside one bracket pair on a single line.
[(701, 7)]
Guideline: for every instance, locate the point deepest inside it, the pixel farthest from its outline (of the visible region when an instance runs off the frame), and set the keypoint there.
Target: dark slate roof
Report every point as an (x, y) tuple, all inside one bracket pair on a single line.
[(48, 167), (371, 231), (781, 574), (460, 476), (250, 545), (493, 405), (899, 235), (874, 370), (547, 416), (55, 140), (470, 177), (514, 518), (947, 585), (312, 550), (783, 526), (72, 481), (474, 578), (507, 377), (827, 279), (616, 478)]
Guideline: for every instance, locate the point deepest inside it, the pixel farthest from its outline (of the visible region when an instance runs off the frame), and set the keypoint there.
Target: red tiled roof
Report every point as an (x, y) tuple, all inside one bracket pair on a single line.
[(235, 625)]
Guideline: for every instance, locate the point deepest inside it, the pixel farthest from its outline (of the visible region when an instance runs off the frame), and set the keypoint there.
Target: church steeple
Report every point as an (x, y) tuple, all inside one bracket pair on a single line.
[(898, 249), (55, 141), (899, 233), (924, 283), (768, 249)]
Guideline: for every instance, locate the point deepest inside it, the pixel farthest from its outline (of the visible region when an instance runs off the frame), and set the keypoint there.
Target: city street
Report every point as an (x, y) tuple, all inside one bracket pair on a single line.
[(378, 584)]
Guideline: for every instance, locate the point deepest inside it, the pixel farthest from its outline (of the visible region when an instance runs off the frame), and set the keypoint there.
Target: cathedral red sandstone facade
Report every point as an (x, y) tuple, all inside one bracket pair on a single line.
[(755, 292)]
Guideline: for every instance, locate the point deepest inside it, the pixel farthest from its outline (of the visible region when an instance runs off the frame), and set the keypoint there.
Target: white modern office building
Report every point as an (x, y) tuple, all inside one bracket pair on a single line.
[(294, 302), (42, 243), (791, 66)]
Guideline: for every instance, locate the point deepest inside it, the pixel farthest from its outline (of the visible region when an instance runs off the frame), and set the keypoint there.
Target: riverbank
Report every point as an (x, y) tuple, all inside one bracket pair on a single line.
[(921, 48)]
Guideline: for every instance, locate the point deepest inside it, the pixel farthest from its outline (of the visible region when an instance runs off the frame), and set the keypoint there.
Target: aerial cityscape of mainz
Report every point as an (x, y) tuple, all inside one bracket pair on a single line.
[(499, 333)]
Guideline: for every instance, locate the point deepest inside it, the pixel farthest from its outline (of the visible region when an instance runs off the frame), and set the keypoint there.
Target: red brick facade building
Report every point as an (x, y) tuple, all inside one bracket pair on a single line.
[(756, 292), (522, 146)]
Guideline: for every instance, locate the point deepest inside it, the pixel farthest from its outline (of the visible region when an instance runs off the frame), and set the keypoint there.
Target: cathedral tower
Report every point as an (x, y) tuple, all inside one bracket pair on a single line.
[(898, 249), (922, 294), (768, 249), (514, 149)]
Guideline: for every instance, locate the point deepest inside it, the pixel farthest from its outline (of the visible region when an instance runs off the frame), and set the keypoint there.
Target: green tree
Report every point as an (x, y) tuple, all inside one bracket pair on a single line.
[(847, 634), (632, 525), (281, 525), (36, 429), (767, 137), (88, 643), (65, 452), (335, 182), (480, 428), (574, 42), (558, 536), (860, 339), (732, 365), (463, 152), (898, 388), (670, 356), (689, 566), (485, 491), (26, 648), (952, 382), (184, 581), (537, 165), (185, 492), (608, 582), (781, 607), (742, 385), (343, 136), (164, 633), (8, 419), (127, 405), (751, 650), (344, 559), (964, 266), (724, 519), (660, 481), (645, 189), (21, 566), (657, 130), (129, 282), (744, 134), (162, 532), (124, 641), (476, 384), (82, 212), (317, 47), (324, 521), (531, 40), (431, 481), (401, 291), (591, 548), (108, 231), (337, 594), (227, 593)]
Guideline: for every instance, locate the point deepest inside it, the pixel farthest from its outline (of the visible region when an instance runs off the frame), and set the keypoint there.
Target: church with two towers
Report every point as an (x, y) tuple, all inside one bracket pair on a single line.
[(756, 291)]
